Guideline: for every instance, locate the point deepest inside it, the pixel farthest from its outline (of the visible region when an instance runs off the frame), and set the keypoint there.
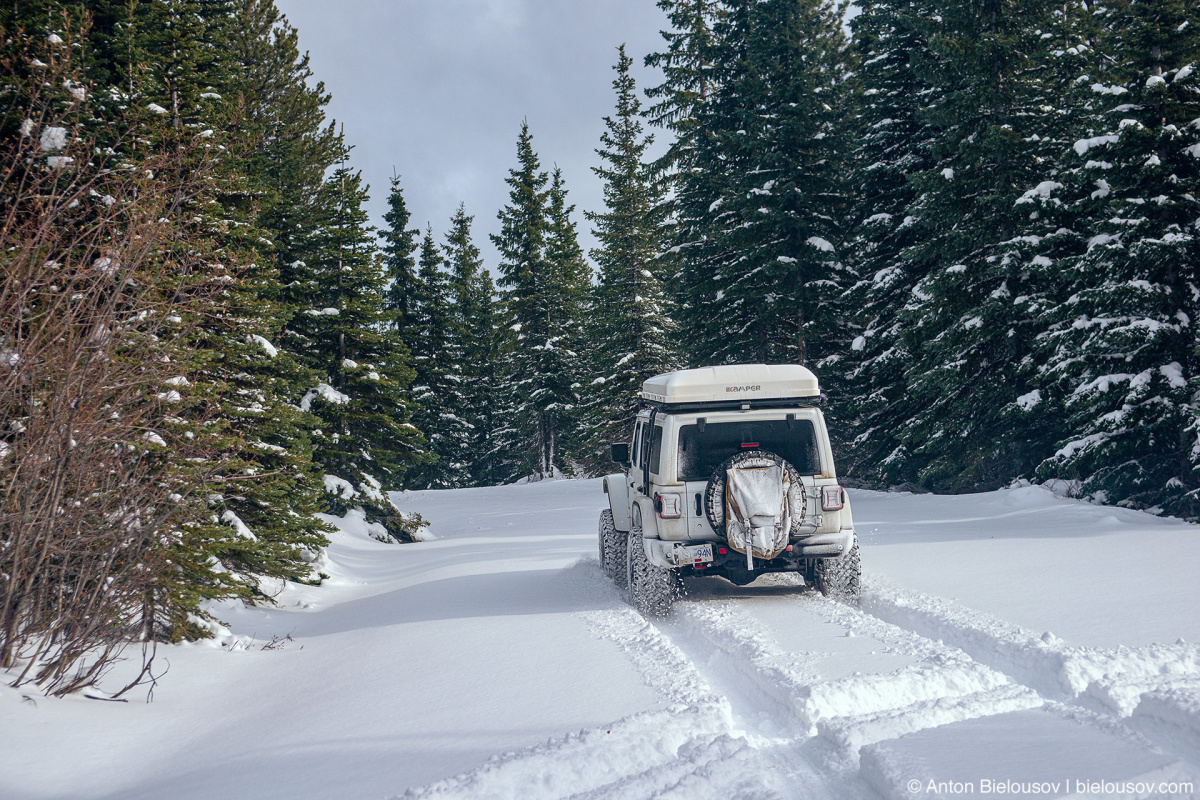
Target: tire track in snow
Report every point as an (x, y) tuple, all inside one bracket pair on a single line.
[(1171, 717), (795, 723), (754, 756), (1044, 662), (584, 761), (1112, 682), (650, 754), (768, 762), (746, 759), (944, 686), (745, 719)]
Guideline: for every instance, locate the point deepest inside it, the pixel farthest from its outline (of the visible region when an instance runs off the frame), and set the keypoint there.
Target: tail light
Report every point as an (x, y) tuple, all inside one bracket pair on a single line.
[(832, 498), (668, 506)]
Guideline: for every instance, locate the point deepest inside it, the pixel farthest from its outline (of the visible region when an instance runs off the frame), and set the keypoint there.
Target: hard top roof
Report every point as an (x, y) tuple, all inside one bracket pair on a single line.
[(731, 382)]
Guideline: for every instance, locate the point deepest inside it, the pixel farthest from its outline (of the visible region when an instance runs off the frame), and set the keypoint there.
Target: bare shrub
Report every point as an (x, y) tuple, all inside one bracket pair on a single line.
[(101, 284)]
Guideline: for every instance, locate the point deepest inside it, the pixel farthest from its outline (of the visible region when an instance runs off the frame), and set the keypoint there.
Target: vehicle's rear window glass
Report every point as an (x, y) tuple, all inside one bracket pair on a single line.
[(656, 450), (701, 453)]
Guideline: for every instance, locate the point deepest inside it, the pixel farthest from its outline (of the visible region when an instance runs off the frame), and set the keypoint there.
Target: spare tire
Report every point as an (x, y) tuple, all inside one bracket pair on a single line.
[(714, 492)]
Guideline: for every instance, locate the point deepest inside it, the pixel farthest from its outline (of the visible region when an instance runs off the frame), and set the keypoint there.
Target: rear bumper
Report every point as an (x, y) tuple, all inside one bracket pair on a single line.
[(671, 555)]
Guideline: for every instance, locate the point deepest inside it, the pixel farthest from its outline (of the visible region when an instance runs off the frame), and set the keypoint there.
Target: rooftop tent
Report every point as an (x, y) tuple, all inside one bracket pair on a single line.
[(732, 383)]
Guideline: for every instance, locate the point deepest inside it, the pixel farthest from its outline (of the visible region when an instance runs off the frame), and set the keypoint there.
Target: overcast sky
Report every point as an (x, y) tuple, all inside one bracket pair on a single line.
[(437, 90)]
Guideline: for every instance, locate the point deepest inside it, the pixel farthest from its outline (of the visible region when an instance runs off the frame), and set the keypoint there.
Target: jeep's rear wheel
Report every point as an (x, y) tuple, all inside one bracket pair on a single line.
[(612, 548), (651, 589), (618, 554), (839, 578), (605, 522)]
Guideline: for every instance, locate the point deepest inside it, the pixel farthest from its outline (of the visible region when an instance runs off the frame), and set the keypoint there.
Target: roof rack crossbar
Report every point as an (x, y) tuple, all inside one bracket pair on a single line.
[(735, 405)]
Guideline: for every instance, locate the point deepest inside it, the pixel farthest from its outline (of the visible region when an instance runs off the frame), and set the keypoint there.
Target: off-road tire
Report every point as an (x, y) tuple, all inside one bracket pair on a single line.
[(619, 553), (605, 516), (714, 492), (651, 589), (612, 548), (839, 578)]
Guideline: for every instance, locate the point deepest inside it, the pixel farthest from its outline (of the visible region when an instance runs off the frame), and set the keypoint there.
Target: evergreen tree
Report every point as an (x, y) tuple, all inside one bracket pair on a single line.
[(760, 208), (1118, 349), (894, 142), (540, 268), (521, 242), (399, 249), (366, 442), (195, 79), (473, 329), (284, 116), (220, 86), (984, 207), (233, 389), (257, 383), (631, 330), (687, 68), (435, 360), (563, 364)]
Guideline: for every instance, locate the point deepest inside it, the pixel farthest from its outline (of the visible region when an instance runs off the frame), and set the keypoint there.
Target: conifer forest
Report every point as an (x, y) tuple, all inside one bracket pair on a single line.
[(976, 220)]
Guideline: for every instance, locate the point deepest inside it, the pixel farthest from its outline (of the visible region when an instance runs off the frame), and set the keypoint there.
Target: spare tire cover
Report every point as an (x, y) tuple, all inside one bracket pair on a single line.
[(714, 492)]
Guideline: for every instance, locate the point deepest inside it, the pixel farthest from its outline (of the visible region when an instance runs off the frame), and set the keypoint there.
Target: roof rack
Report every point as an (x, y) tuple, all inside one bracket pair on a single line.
[(735, 405)]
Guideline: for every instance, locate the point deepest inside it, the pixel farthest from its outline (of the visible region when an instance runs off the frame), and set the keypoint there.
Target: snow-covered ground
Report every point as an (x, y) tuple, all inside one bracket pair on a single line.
[(1007, 642)]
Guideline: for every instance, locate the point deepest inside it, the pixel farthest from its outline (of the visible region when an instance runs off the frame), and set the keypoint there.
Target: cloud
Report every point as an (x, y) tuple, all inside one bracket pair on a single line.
[(437, 90)]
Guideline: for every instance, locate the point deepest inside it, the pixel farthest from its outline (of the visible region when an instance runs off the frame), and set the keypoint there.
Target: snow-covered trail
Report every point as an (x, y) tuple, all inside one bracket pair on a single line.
[(1010, 636), (810, 698)]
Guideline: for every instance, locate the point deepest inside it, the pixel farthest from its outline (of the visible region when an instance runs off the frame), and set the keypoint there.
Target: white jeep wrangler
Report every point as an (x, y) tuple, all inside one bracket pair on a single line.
[(729, 473)]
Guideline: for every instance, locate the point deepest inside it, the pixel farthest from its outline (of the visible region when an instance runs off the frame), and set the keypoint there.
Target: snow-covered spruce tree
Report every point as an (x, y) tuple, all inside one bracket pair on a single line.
[(401, 301), (399, 257), (569, 282), (294, 144), (239, 82), (1120, 346), (686, 64), (280, 489), (541, 307), (241, 389), (631, 330), (436, 362), (473, 330), (892, 142), (986, 207), (689, 78), (154, 106), (762, 201), (201, 76), (365, 443), (223, 79)]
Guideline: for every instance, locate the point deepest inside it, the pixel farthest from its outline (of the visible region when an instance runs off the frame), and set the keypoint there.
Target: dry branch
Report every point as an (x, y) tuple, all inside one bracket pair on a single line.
[(102, 283)]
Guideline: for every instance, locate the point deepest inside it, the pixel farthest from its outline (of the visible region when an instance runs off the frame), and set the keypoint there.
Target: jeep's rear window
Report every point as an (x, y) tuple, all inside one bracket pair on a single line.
[(701, 453)]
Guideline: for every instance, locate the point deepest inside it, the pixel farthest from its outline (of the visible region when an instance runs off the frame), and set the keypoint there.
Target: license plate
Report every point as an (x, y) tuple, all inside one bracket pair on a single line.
[(699, 552)]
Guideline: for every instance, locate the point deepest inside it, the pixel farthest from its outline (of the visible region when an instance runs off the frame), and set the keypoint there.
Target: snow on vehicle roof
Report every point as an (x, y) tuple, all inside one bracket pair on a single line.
[(732, 382)]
